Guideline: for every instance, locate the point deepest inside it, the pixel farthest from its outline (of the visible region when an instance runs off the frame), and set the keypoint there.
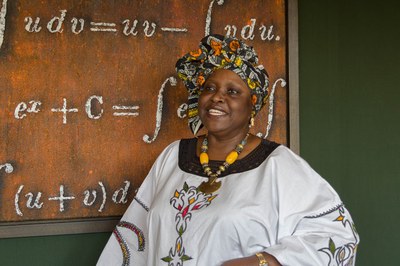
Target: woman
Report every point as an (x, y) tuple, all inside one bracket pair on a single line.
[(229, 197)]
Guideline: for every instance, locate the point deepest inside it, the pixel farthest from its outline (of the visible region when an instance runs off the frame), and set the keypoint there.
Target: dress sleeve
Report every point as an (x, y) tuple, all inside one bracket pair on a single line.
[(314, 227), (128, 242)]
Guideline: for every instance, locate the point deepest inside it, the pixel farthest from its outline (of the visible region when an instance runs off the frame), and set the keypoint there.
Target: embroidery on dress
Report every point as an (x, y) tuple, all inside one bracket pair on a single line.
[(185, 201), (342, 255), (126, 254), (326, 212), (141, 204)]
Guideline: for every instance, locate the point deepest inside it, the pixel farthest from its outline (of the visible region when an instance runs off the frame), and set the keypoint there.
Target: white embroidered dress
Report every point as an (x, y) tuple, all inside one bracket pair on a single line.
[(282, 207)]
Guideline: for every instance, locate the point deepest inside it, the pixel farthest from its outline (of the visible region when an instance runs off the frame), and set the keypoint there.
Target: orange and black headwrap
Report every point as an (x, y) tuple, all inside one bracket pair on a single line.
[(219, 52)]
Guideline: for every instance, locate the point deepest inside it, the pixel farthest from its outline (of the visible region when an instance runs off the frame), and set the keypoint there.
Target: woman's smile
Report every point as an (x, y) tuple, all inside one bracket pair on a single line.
[(216, 112)]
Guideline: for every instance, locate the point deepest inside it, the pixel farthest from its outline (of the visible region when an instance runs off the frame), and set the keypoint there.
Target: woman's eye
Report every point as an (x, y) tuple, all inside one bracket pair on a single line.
[(233, 91), (208, 89)]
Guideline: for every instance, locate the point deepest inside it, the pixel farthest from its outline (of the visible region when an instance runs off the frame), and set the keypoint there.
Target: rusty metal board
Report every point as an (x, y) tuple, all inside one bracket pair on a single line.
[(89, 96)]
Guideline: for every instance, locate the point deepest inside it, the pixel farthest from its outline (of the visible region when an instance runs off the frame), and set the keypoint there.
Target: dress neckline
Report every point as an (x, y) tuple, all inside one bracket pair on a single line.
[(188, 160)]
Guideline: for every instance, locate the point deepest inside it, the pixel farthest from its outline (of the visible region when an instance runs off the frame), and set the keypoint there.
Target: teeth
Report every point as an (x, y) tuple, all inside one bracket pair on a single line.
[(215, 112)]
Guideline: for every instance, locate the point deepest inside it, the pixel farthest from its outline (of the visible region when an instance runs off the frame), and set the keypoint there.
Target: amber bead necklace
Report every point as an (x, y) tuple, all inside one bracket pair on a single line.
[(212, 185)]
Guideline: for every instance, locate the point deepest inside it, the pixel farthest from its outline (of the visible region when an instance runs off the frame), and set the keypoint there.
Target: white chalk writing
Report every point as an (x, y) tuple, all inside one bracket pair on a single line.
[(63, 23), (86, 200), (88, 107), (173, 82), (90, 197), (103, 26), (8, 168), (57, 23), (268, 35), (32, 28), (75, 23), (86, 193), (62, 198), (16, 201), (209, 15), (94, 109), (3, 13), (64, 110), (248, 32), (174, 29), (124, 192), (23, 107), (103, 203), (147, 31), (132, 30), (36, 204), (128, 110), (271, 107)]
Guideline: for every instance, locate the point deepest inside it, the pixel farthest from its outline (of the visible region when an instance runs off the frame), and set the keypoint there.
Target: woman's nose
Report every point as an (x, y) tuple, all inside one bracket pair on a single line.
[(218, 96)]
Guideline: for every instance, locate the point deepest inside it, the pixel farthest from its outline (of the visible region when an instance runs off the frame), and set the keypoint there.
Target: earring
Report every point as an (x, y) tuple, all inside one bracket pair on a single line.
[(251, 122)]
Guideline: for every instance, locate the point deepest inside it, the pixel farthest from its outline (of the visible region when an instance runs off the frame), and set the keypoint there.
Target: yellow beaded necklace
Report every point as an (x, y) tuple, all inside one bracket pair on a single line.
[(212, 185)]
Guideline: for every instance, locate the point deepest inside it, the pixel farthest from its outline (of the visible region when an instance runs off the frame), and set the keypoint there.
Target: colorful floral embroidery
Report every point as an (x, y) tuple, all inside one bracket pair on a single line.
[(126, 255), (185, 202), (342, 255)]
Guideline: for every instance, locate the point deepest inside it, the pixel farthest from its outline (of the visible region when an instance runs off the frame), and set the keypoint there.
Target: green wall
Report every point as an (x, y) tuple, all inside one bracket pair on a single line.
[(349, 129), (350, 113)]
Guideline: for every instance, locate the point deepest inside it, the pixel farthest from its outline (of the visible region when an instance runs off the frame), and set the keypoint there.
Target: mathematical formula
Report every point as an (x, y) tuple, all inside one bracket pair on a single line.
[(37, 200), (34, 106), (31, 28), (23, 109), (131, 27)]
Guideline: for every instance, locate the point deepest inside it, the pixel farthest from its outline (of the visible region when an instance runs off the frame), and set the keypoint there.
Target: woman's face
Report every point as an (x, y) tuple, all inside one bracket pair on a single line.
[(225, 103)]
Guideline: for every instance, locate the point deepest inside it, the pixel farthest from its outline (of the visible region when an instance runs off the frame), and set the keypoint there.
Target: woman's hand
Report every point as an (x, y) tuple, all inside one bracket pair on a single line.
[(252, 260)]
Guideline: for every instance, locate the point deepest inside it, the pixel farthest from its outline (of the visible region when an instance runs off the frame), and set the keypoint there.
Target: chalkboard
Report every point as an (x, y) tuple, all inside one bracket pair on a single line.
[(89, 97)]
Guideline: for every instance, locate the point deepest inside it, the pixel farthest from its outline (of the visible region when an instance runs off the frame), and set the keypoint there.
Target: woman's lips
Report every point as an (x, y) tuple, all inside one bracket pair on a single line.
[(216, 112)]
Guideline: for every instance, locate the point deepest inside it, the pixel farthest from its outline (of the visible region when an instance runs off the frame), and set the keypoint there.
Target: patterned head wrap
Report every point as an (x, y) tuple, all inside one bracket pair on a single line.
[(219, 52)]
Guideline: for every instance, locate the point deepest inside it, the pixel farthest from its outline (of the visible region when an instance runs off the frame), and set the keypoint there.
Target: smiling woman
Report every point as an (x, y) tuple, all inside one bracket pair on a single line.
[(225, 105), (229, 197)]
